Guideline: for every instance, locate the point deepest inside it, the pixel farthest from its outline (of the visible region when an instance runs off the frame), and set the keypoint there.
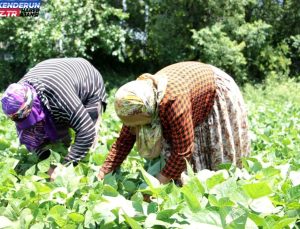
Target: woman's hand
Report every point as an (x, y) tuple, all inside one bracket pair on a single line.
[(162, 179), (52, 172), (100, 175)]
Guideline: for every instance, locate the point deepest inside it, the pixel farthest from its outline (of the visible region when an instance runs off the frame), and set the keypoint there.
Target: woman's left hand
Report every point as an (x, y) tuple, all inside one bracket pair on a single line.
[(162, 179)]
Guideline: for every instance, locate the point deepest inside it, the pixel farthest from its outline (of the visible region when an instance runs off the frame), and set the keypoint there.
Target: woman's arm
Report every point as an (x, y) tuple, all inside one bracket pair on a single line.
[(83, 125), (119, 151), (42, 153), (178, 117)]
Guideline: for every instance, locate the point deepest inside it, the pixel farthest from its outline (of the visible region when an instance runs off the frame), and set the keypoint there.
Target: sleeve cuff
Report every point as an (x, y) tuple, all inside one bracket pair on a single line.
[(68, 162)]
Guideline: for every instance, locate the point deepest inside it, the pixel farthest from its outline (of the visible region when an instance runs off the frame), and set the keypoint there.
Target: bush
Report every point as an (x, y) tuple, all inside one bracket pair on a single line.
[(215, 47), (294, 44), (247, 53)]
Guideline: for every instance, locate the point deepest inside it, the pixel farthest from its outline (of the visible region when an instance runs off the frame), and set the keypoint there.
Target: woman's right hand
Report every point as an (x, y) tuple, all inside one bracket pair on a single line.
[(100, 175)]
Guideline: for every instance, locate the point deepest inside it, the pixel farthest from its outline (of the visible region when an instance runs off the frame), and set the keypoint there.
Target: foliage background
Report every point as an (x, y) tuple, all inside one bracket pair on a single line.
[(264, 194), (253, 40), (250, 39)]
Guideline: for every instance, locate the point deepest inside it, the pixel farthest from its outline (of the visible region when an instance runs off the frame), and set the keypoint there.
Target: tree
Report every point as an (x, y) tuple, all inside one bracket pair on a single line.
[(65, 28)]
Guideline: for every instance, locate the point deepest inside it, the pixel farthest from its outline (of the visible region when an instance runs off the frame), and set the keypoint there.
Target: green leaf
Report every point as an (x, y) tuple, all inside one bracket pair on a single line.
[(263, 205), (111, 180), (258, 220), (152, 208), (55, 157), (204, 219), (252, 165), (129, 186), (70, 226), (109, 191), (89, 222), (149, 179), (222, 202), (233, 217), (131, 222), (193, 191), (230, 189), (59, 214), (138, 206), (282, 223), (257, 190), (118, 203), (270, 171), (67, 177), (26, 217), (213, 201), (191, 199), (215, 180), (37, 226), (12, 211), (152, 221), (226, 166), (41, 188), (97, 158), (190, 171), (138, 197), (166, 214), (4, 144), (76, 217), (156, 167), (31, 171), (5, 222), (295, 177), (294, 193), (195, 185), (44, 165)]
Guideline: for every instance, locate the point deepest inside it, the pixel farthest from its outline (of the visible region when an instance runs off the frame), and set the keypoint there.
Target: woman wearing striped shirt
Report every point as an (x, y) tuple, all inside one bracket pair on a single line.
[(186, 111), (55, 95)]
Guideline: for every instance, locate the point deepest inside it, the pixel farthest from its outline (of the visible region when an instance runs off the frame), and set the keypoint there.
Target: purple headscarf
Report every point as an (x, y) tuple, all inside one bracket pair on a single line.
[(33, 121)]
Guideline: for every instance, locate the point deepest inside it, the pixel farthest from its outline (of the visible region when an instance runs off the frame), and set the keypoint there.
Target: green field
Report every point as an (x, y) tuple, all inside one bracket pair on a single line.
[(264, 194)]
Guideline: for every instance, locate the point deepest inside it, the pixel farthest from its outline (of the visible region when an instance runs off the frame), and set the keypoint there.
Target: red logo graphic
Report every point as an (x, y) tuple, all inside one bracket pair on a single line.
[(10, 12)]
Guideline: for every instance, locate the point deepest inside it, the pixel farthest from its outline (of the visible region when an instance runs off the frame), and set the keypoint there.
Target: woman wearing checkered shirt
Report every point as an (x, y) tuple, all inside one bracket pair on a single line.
[(186, 111)]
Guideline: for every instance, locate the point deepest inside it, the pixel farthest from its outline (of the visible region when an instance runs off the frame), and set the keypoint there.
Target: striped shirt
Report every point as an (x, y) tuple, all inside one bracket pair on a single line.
[(72, 90)]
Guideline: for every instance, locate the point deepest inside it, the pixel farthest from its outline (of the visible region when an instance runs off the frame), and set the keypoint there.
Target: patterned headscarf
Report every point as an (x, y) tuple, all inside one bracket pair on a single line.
[(136, 104), (17, 101), (35, 127)]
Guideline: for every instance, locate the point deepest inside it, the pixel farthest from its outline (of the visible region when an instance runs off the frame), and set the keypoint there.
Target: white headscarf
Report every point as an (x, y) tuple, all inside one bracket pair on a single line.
[(136, 103)]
